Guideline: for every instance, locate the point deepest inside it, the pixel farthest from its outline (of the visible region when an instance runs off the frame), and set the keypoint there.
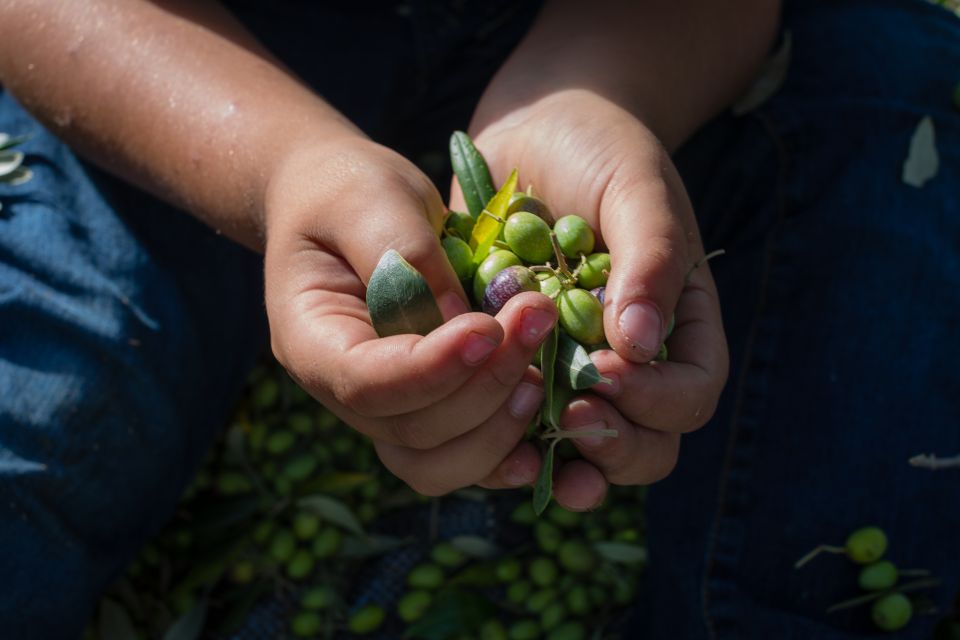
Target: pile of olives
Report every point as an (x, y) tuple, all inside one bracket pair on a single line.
[(288, 510)]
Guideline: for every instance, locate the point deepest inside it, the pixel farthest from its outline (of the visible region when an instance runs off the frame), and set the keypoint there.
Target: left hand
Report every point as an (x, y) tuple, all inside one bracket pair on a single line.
[(584, 154)]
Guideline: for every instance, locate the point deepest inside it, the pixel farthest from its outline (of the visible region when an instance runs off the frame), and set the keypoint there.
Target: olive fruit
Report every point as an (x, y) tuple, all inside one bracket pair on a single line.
[(491, 266), (318, 598), (519, 591), (574, 236), (508, 570), (413, 605), (550, 285), (300, 565), (306, 525), (568, 631), (493, 630), (300, 468), (548, 536), (540, 600), (528, 236), (866, 545), (581, 315), (425, 576), (578, 600), (524, 630), (505, 285), (892, 612), (459, 256), (553, 615), (242, 572), (279, 442), (878, 576), (306, 624), (326, 543), (366, 619), (282, 545), (594, 271), (543, 571), (530, 204), (459, 224), (447, 555), (562, 517), (576, 557)]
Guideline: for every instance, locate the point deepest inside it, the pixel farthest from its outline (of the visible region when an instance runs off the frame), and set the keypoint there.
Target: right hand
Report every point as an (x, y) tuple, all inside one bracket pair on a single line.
[(445, 410)]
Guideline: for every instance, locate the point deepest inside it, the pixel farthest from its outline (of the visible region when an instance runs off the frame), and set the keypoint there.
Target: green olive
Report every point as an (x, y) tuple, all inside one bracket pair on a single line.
[(571, 630), (553, 615), (524, 630), (574, 236), (576, 557), (231, 483), (262, 531), (300, 468), (460, 257), (491, 266), (266, 393), (581, 315), (530, 204), (413, 605), (866, 545), (550, 286), (594, 271), (318, 598), (508, 570), (540, 600), (562, 517), (306, 624), (447, 555), (459, 224), (366, 619), (300, 565), (578, 599), (493, 630), (892, 612), (878, 576), (519, 591), (548, 536), (425, 576), (326, 543), (543, 571), (624, 592), (282, 546), (279, 442), (524, 513), (528, 236), (305, 525), (300, 423), (242, 572)]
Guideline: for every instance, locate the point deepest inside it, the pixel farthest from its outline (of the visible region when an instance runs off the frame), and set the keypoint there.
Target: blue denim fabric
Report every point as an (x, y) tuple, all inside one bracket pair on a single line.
[(841, 299)]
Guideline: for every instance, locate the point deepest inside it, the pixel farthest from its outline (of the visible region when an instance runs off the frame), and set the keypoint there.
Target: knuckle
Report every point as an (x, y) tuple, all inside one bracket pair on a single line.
[(411, 434)]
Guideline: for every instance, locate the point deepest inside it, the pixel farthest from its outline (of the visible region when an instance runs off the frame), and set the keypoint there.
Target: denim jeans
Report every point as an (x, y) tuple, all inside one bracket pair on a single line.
[(128, 327)]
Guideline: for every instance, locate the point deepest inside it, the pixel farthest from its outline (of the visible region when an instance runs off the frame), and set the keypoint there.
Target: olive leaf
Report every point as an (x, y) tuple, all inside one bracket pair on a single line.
[(332, 510), (772, 75), (490, 222), (543, 489), (372, 545), (472, 173), (189, 625), (922, 161), (474, 546), (574, 366), (548, 358), (399, 299), (621, 552)]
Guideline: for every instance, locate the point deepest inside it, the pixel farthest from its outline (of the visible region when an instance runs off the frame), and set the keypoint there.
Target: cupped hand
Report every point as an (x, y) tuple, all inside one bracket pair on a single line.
[(444, 410), (585, 155)]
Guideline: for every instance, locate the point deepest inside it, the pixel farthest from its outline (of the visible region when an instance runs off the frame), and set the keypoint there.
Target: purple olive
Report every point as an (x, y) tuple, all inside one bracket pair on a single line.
[(600, 293), (505, 285)]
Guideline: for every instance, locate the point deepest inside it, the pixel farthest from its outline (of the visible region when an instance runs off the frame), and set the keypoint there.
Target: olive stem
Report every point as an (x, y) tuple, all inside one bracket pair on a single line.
[(702, 261), (823, 548), (561, 259), (934, 463), (499, 244), (497, 218), (909, 586)]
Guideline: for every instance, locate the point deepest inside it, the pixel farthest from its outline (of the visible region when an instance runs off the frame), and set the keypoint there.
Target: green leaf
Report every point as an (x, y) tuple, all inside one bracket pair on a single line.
[(476, 575), (772, 75), (475, 546), (543, 489), (922, 161), (337, 482), (621, 552), (10, 161), (399, 299), (115, 623), (452, 611), (490, 222), (189, 625), (332, 510), (372, 545), (472, 172), (574, 366), (548, 358)]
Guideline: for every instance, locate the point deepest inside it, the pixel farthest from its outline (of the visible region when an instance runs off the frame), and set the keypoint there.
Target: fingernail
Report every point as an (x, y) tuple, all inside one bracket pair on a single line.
[(525, 400), (477, 348), (590, 442), (515, 474), (610, 385), (642, 325), (534, 325), (451, 305)]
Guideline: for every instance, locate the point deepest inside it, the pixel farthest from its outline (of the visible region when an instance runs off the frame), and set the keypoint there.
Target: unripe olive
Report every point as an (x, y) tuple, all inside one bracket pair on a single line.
[(548, 536), (550, 285), (562, 517), (493, 630), (578, 599), (318, 598), (524, 630), (540, 600), (282, 545), (866, 545), (892, 612), (413, 605), (366, 619), (491, 266), (459, 224), (262, 531), (242, 572), (505, 285), (543, 571), (447, 555), (279, 442), (300, 468), (574, 236), (878, 576), (508, 570), (305, 525), (266, 393), (300, 565), (581, 315), (460, 257), (425, 576), (552, 615), (326, 543), (524, 513), (300, 423), (529, 237), (232, 483), (571, 630), (530, 204), (576, 557), (623, 592), (519, 591), (591, 274), (306, 624)]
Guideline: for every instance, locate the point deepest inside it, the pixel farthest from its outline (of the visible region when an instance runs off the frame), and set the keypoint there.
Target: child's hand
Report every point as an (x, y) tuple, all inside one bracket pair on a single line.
[(585, 155), (444, 410)]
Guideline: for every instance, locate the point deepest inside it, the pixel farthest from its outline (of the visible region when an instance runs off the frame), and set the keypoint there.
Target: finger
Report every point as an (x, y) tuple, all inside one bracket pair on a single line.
[(526, 319), (579, 486), (650, 253), (463, 461), (518, 469), (637, 455), (681, 394)]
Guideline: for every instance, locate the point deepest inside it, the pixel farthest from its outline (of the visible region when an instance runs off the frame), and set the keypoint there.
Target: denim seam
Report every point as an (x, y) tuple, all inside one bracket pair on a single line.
[(780, 198)]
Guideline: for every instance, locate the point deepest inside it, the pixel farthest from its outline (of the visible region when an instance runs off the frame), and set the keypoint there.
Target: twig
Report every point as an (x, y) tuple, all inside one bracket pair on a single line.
[(934, 463)]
